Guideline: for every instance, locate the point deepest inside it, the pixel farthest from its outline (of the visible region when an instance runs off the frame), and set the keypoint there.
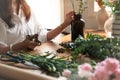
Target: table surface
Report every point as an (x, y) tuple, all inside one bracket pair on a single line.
[(93, 31), (21, 72)]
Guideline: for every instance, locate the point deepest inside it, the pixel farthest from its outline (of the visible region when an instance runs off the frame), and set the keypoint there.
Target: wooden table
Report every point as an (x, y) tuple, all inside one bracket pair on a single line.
[(21, 72), (93, 31), (14, 73), (11, 71)]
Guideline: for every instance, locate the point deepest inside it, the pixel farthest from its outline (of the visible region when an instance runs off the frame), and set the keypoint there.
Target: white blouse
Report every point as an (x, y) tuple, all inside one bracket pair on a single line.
[(21, 29)]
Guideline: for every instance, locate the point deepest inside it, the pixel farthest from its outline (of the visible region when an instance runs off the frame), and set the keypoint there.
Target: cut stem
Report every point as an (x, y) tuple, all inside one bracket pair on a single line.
[(72, 2)]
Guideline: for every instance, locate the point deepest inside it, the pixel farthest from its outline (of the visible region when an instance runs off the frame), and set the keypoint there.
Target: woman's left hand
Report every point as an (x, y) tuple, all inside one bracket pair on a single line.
[(69, 18)]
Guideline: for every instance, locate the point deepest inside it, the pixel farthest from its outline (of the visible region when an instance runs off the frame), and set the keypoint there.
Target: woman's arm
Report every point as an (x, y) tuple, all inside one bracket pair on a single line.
[(53, 33), (19, 46)]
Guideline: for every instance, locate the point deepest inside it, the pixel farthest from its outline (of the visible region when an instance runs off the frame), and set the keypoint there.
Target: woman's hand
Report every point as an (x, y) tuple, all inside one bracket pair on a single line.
[(3, 47), (31, 41), (27, 44), (68, 19), (53, 33)]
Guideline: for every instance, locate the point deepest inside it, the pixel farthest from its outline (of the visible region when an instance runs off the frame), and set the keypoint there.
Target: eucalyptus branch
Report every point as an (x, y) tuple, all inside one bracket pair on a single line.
[(82, 6)]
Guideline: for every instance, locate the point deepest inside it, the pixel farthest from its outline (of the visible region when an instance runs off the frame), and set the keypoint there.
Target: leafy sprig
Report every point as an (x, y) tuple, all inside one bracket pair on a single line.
[(50, 65), (113, 4), (95, 47), (82, 6)]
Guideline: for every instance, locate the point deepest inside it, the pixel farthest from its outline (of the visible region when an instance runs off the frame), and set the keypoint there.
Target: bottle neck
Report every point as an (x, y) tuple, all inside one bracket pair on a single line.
[(77, 16)]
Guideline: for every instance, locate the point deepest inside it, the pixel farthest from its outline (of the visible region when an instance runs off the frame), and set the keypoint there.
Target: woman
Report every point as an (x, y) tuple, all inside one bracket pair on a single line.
[(17, 21)]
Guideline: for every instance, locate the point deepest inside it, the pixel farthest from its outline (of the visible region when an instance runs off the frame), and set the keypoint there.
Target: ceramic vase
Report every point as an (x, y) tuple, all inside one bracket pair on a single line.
[(108, 26), (101, 17)]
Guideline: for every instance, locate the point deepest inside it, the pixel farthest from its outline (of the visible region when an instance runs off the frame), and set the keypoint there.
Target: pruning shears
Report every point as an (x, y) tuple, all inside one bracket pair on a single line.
[(10, 57), (33, 38)]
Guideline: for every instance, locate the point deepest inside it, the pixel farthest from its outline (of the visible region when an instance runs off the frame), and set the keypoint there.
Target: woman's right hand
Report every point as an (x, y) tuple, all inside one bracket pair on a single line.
[(32, 41), (29, 44), (24, 45)]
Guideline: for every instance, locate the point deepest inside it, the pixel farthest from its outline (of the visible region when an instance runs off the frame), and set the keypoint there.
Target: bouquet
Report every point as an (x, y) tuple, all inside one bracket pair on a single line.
[(113, 4), (109, 69)]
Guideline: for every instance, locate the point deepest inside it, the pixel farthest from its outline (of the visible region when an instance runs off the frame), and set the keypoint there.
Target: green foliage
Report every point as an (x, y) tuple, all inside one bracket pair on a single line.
[(82, 6), (114, 5), (76, 77), (95, 47), (51, 66)]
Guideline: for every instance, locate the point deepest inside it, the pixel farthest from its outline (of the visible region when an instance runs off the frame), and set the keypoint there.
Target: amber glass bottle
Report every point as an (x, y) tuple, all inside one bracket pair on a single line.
[(77, 27)]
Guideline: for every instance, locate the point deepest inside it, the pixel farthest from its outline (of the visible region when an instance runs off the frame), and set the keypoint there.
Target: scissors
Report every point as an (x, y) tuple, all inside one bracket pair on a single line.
[(33, 38), (10, 57)]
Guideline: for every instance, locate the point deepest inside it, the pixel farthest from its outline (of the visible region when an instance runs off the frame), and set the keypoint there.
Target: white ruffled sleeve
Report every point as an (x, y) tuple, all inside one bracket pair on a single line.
[(42, 32), (37, 28)]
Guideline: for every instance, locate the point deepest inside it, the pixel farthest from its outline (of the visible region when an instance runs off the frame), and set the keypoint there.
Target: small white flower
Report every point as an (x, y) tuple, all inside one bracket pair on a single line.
[(62, 78), (84, 73), (66, 73)]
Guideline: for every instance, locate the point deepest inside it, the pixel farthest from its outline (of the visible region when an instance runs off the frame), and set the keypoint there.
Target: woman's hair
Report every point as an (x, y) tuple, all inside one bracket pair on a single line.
[(25, 8), (6, 10)]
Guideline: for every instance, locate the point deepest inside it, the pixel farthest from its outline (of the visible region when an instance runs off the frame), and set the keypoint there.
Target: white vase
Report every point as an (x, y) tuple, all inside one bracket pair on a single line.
[(101, 17), (108, 26)]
